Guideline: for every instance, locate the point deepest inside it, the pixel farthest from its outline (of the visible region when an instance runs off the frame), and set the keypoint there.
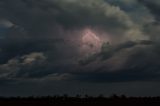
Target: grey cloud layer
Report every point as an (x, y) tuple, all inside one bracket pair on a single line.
[(38, 40)]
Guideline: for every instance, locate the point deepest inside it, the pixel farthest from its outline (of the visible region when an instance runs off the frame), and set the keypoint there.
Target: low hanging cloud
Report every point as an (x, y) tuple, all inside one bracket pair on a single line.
[(43, 40), (22, 65)]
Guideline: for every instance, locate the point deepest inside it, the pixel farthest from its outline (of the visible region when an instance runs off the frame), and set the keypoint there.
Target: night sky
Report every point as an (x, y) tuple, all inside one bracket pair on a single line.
[(93, 47)]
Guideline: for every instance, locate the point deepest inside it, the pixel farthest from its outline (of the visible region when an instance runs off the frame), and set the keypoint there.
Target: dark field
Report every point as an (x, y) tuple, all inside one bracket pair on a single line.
[(74, 101)]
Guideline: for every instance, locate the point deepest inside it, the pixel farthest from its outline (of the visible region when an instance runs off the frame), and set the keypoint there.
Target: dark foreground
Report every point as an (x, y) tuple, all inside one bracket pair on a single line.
[(80, 101)]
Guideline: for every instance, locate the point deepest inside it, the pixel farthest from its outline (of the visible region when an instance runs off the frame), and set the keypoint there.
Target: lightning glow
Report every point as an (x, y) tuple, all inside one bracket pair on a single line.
[(91, 42)]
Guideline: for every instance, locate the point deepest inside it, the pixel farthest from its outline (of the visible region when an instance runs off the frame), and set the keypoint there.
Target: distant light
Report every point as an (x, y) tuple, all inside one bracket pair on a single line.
[(90, 41)]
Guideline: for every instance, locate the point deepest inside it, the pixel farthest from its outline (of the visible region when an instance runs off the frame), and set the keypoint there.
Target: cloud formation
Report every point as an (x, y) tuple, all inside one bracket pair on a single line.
[(22, 66), (43, 40)]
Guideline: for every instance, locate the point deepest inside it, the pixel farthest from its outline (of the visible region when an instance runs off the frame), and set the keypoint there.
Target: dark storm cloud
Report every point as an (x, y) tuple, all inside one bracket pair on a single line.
[(137, 11), (36, 21), (107, 50), (142, 64), (38, 43), (68, 13), (153, 6)]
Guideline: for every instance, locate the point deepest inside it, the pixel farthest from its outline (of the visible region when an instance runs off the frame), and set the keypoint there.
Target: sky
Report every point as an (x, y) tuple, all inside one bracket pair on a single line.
[(56, 47)]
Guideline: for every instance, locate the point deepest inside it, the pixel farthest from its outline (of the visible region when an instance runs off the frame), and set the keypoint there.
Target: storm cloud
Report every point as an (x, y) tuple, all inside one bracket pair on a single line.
[(40, 40)]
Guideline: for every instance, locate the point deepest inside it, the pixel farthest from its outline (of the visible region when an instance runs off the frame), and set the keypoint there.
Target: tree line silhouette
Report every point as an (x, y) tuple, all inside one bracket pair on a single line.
[(113, 100)]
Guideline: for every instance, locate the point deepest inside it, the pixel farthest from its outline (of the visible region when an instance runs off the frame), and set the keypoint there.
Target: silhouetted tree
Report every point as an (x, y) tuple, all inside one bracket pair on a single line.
[(101, 96), (78, 96), (123, 96), (86, 96), (114, 96)]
